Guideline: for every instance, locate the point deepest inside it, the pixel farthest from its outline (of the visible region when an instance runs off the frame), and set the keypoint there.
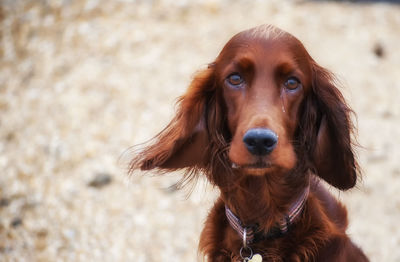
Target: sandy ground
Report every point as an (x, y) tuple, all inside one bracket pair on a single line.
[(82, 81)]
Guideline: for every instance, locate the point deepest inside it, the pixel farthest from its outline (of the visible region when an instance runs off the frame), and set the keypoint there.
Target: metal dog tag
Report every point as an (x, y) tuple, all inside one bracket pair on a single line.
[(250, 257), (256, 258)]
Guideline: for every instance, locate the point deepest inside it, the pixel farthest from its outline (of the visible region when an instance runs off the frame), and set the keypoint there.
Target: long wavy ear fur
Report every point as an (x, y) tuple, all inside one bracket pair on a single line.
[(183, 141), (327, 129), (196, 138)]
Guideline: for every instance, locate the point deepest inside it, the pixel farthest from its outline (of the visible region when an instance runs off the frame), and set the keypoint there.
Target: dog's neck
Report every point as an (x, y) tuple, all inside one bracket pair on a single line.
[(264, 200)]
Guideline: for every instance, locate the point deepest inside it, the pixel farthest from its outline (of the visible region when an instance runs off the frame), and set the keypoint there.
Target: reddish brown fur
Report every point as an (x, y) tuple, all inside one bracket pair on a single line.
[(314, 129)]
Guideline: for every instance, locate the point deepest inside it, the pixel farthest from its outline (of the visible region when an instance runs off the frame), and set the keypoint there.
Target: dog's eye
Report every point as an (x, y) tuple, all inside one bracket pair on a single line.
[(235, 79), (292, 83)]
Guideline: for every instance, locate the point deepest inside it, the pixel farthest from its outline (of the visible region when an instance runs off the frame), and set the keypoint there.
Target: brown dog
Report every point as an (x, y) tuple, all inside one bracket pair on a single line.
[(264, 122)]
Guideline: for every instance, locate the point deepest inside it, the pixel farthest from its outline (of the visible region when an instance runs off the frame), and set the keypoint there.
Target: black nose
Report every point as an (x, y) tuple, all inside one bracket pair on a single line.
[(260, 141)]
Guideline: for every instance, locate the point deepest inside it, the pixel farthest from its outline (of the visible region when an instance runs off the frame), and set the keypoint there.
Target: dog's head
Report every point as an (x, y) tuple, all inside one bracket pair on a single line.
[(263, 106)]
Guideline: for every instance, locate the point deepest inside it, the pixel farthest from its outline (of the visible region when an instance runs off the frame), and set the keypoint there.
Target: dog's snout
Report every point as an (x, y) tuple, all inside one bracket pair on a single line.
[(260, 141)]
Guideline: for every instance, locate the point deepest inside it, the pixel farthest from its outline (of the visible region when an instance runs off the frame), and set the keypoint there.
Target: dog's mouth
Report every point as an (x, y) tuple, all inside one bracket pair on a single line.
[(259, 168), (258, 165)]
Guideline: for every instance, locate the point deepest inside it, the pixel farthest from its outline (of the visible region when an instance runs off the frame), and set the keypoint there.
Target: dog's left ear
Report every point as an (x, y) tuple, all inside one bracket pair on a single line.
[(332, 151), (184, 141)]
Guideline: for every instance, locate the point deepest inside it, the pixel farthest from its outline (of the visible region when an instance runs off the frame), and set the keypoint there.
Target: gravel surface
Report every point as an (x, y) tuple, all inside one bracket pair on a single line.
[(82, 81)]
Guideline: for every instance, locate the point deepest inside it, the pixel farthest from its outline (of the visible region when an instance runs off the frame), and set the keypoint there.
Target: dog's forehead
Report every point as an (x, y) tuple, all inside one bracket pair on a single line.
[(263, 41), (266, 32), (264, 35)]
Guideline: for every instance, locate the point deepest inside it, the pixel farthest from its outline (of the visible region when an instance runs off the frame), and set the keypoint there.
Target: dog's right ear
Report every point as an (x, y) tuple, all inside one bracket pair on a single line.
[(333, 154), (183, 142)]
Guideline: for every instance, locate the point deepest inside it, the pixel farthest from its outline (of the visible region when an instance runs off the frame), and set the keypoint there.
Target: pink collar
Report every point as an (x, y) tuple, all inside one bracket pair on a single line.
[(249, 234)]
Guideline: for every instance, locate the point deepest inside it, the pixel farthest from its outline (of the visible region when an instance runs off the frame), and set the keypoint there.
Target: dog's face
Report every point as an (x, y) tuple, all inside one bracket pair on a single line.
[(264, 81), (263, 106)]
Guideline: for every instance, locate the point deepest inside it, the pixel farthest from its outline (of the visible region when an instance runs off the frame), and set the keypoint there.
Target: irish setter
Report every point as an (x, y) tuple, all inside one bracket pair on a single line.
[(264, 123)]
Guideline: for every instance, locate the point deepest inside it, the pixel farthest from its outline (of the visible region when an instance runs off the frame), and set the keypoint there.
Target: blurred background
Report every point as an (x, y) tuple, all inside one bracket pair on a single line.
[(83, 81)]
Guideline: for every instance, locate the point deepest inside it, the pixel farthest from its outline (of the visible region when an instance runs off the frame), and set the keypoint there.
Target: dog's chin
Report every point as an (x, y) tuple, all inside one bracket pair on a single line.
[(257, 169)]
